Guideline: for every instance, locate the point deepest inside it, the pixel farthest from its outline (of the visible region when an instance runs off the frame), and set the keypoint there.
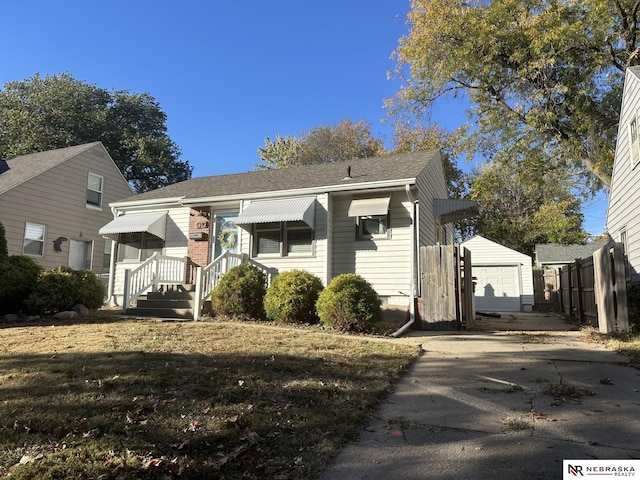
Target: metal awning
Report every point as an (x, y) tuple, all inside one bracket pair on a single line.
[(153, 223), (447, 210), (281, 210), (369, 206)]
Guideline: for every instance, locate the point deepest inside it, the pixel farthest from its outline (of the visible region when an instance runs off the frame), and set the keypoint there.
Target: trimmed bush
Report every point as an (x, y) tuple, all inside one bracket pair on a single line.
[(349, 304), (292, 297), (18, 278), (55, 291), (92, 291), (240, 293), (62, 288)]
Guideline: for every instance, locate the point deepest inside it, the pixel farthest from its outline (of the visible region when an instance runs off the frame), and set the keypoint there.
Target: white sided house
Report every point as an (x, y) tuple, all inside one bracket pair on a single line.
[(53, 203), (623, 221), (504, 277), (364, 216)]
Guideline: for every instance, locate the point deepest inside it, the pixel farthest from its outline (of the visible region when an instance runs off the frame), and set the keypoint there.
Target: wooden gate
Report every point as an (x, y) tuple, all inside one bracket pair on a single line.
[(446, 288), (594, 290)]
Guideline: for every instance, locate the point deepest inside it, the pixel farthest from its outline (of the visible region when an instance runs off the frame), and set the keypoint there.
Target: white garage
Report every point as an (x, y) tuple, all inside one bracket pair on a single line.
[(504, 277)]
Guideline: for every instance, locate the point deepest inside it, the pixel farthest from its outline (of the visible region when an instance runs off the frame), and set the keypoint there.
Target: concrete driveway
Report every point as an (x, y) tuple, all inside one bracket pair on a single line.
[(513, 401)]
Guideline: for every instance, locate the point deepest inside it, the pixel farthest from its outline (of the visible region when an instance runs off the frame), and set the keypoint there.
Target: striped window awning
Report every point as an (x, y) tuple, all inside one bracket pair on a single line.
[(281, 210), (153, 223), (369, 206)]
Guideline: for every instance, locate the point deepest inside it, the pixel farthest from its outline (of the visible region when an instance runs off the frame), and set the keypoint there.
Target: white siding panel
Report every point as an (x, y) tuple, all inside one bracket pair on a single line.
[(385, 263), (624, 200), (431, 184)]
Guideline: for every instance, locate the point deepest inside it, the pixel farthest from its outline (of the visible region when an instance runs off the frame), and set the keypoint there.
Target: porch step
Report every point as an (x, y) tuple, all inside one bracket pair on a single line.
[(170, 301), (180, 313), (164, 302)]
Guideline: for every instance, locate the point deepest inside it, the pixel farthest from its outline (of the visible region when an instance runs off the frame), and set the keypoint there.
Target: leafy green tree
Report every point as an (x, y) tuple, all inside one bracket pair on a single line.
[(539, 75), (281, 153), (58, 111), (324, 144), (414, 139), (521, 206)]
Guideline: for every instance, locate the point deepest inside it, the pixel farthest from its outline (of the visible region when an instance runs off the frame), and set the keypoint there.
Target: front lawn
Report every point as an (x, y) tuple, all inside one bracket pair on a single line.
[(106, 399)]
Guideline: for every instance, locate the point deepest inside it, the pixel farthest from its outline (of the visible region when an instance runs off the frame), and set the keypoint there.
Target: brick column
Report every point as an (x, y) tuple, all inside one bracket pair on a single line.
[(198, 251)]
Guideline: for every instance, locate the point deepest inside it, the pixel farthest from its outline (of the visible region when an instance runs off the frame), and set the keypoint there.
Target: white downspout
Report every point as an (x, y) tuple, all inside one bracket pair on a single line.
[(413, 242)]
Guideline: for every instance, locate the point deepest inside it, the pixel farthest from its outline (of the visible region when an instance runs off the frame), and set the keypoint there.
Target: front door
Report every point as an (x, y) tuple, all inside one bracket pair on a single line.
[(79, 254), (226, 234)]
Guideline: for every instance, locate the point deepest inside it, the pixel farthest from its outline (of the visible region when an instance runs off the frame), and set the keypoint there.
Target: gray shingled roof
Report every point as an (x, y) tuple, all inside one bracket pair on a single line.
[(363, 170), (557, 253), (25, 167)]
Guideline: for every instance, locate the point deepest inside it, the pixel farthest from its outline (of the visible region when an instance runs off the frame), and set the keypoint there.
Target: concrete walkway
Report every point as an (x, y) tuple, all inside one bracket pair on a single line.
[(500, 404)]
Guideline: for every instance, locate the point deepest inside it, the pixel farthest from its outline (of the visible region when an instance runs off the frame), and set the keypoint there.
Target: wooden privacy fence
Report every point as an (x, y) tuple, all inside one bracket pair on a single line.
[(446, 288), (594, 290)]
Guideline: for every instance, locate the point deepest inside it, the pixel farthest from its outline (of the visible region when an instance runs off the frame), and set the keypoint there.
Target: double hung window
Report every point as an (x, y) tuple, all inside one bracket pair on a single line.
[(95, 185), (34, 236), (283, 239)]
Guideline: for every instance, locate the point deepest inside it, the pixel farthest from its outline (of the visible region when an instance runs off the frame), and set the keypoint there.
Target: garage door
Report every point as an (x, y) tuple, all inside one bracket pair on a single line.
[(497, 288)]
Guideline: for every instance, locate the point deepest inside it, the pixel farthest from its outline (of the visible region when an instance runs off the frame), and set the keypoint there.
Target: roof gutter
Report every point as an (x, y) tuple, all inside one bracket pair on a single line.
[(141, 203), (396, 184)]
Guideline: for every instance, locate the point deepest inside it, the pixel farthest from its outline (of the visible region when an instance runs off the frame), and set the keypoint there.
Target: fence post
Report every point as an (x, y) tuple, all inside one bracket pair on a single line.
[(620, 287), (561, 287), (469, 308), (127, 285), (197, 305), (579, 301), (602, 290)]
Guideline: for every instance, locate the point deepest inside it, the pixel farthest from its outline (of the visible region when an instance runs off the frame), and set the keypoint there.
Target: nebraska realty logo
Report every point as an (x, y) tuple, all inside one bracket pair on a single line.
[(601, 468)]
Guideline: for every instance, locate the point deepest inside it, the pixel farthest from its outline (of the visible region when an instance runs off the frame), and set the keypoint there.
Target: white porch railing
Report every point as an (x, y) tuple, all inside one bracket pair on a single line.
[(208, 277), (159, 269)]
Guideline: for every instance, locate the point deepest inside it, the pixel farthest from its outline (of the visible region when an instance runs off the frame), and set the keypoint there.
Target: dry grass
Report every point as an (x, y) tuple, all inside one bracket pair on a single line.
[(626, 344), (142, 399)]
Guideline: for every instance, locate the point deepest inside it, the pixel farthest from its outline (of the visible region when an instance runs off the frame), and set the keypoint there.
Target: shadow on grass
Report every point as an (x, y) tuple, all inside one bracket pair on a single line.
[(136, 414)]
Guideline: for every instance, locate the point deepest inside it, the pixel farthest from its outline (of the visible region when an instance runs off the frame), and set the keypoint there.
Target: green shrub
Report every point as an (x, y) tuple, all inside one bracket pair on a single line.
[(4, 250), (92, 291), (292, 297), (349, 304), (240, 293), (18, 277), (55, 291), (62, 288)]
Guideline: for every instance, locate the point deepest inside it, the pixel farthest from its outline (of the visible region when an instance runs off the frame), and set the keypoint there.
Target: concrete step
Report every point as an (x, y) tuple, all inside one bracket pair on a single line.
[(180, 313), (170, 295), (170, 303)]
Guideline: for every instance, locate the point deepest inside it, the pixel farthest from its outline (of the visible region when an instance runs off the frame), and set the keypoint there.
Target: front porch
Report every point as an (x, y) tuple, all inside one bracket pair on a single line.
[(168, 287)]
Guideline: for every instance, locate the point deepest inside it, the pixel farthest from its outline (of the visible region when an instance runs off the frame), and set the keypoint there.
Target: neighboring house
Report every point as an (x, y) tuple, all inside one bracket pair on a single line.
[(623, 221), (53, 203), (554, 255), (364, 216), (504, 277)]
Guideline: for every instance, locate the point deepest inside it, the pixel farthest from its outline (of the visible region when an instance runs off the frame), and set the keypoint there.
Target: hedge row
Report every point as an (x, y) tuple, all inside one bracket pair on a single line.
[(349, 303)]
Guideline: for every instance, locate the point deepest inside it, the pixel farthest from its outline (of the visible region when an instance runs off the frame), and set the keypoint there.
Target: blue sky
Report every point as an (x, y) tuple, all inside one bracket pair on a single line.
[(227, 74)]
